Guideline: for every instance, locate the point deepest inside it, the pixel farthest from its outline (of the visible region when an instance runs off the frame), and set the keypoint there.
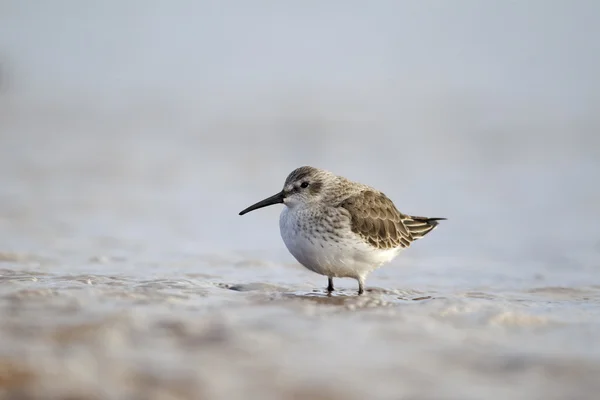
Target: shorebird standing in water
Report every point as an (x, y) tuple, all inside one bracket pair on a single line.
[(339, 228)]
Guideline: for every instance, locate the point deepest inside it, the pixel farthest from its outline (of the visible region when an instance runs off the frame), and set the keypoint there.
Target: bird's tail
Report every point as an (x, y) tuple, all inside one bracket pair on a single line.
[(420, 226)]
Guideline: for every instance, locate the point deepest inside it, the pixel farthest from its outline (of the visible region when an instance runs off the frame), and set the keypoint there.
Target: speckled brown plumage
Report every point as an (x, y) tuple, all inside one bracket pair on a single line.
[(375, 219), (299, 174)]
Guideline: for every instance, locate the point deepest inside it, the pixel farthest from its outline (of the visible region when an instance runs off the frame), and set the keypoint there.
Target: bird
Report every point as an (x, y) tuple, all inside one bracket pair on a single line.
[(339, 228)]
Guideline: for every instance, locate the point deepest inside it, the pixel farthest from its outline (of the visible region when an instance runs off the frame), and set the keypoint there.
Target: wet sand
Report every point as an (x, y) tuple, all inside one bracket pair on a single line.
[(181, 335)]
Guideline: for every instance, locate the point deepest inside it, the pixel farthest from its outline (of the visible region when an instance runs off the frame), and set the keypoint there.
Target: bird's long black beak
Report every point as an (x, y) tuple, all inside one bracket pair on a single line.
[(269, 201)]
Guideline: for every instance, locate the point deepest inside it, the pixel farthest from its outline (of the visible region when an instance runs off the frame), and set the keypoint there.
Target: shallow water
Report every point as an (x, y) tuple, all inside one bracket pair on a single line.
[(125, 271), (171, 332)]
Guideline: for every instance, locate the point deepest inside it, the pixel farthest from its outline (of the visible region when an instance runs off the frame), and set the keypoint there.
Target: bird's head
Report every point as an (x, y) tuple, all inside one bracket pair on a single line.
[(303, 186)]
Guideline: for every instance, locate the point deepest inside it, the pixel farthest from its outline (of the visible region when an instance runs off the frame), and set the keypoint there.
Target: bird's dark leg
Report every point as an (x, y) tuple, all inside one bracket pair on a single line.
[(329, 284), (361, 287)]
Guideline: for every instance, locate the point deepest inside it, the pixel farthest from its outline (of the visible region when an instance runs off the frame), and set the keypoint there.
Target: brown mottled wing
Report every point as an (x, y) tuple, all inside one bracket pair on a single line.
[(375, 218)]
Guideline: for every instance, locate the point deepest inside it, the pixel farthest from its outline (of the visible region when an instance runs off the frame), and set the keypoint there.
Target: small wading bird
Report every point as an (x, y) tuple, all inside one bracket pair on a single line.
[(339, 228)]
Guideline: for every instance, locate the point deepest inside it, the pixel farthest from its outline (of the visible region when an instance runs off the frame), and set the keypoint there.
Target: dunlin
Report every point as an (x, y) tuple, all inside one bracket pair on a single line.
[(339, 228)]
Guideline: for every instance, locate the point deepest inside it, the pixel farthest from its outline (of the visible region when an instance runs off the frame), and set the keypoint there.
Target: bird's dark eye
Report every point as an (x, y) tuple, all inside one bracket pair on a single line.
[(304, 185)]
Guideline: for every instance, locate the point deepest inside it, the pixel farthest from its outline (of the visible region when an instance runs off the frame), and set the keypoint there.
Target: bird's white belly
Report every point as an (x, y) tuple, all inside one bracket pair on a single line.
[(341, 255)]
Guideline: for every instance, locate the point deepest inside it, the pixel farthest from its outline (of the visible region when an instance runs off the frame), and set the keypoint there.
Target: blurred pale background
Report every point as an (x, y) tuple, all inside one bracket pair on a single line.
[(133, 132)]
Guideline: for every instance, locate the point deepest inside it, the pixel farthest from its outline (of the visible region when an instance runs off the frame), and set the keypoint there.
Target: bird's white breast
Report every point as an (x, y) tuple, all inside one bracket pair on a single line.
[(325, 244)]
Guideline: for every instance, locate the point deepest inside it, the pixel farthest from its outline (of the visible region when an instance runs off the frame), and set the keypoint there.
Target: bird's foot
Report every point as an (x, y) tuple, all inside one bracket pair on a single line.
[(330, 285)]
